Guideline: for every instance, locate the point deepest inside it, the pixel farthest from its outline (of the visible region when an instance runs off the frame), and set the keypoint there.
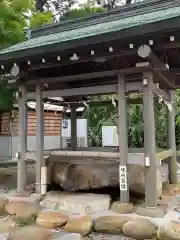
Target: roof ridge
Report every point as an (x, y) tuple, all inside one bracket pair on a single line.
[(119, 13)]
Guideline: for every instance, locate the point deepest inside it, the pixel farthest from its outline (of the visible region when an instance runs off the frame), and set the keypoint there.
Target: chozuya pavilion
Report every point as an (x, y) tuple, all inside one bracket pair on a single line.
[(129, 49)]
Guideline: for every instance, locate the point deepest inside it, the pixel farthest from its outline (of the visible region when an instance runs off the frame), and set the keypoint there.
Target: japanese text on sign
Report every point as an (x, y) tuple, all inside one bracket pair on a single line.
[(123, 178)]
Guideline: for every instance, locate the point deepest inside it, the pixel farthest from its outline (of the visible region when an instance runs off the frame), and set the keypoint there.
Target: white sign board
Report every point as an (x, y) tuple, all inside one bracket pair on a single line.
[(109, 136), (81, 129), (123, 178)]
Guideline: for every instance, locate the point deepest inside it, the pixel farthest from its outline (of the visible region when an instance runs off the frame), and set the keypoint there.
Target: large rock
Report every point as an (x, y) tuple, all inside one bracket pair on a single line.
[(29, 233), (140, 229), (73, 177), (22, 209), (111, 224), (170, 231), (51, 219), (76, 203), (82, 225)]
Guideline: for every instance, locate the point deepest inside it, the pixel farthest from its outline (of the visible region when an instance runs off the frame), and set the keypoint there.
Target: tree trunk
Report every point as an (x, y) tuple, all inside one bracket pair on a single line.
[(39, 5)]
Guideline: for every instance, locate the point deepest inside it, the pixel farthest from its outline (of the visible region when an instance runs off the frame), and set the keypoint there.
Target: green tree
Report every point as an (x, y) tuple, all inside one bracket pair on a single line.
[(107, 115), (13, 21), (83, 11), (57, 7), (111, 4)]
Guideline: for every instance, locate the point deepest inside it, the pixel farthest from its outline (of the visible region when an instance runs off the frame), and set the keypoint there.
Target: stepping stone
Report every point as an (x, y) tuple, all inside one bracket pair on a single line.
[(82, 225), (139, 229), (51, 219), (76, 203), (22, 209), (31, 232), (111, 224)]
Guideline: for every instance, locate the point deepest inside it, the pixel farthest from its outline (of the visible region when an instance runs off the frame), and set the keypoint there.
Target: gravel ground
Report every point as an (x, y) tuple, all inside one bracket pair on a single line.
[(100, 236), (8, 177)]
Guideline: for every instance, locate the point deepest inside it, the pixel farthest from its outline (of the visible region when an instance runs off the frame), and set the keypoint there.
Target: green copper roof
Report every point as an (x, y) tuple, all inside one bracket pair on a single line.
[(97, 29)]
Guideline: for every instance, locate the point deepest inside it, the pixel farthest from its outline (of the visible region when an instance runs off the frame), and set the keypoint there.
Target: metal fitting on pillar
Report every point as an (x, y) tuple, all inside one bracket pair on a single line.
[(145, 81)]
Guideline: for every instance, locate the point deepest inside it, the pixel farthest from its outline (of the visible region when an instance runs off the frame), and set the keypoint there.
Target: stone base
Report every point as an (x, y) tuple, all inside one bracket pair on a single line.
[(123, 208), (150, 212)]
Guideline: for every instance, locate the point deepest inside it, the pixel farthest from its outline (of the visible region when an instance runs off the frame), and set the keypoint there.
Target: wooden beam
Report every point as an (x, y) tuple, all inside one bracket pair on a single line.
[(85, 76), (145, 52), (163, 155), (123, 140), (93, 103), (149, 141), (160, 92), (172, 139), (166, 76), (22, 168), (39, 136), (109, 102), (94, 90)]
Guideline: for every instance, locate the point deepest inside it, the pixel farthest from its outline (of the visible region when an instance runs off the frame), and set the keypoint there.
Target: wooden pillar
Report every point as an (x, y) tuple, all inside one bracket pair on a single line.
[(73, 127), (123, 140), (39, 136), (172, 138), (22, 167), (149, 140)]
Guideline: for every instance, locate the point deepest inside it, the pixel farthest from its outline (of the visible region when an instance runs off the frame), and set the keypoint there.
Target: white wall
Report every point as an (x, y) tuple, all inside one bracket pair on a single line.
[(5, 147), (50, 142), (10, 145)]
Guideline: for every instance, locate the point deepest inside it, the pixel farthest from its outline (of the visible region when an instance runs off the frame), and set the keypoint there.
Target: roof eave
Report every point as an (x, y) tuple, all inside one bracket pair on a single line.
[(150, 28)]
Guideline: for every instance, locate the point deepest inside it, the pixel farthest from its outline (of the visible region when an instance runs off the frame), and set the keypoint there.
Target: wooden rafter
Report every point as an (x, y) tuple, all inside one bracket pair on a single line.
[(145, 52), (107, 55)]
